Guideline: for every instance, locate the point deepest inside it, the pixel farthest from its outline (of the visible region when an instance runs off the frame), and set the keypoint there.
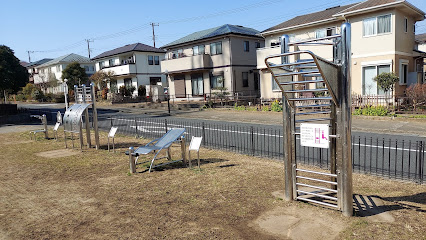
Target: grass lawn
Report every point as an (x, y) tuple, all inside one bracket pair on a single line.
[(91, 195)]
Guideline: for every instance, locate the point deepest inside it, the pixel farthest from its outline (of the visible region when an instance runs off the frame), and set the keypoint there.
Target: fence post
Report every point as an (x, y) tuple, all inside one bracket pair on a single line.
[(252, 140), (136, 128), (204, 133), (110, 118), (421, 161), (165, 125)]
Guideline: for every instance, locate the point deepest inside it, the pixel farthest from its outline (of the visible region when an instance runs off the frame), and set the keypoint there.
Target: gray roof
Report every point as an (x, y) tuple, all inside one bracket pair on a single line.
[(39, 62), (135, 47), (69, 58), (333, 13), (214, 32)]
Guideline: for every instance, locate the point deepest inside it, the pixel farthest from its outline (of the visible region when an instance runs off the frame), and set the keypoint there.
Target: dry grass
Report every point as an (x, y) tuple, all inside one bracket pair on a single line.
[(92, 195)]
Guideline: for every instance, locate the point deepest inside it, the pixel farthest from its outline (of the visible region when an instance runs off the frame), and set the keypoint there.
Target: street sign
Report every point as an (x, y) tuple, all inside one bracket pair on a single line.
[(314, 135), (112, 132)]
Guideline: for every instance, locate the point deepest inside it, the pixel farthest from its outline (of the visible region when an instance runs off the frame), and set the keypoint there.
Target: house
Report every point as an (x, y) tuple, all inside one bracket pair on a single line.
[(421, 47), (382, 40), (32, 67), (220, 57), (133, 65), (49, 74)]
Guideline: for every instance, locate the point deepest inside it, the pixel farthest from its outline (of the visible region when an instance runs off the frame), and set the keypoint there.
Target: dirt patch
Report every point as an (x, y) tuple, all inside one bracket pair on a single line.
[(300, 223), (58, 153)]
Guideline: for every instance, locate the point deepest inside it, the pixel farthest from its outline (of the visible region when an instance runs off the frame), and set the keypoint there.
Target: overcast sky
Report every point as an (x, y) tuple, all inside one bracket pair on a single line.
[(52, 28)]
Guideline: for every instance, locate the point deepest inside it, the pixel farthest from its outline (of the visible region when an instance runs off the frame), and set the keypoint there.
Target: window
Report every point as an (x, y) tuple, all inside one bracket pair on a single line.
[(257, 44), (376, 25), (92, 68), (101, 65), (216, 81), (156, 60), (58, 68), (369, 86), (246, 46), (49, 70), (150, 60), (177, 54), (275, 86), (320, 33), (414, 28), (111, 62), (86, 68), (403, 73), (154, 80), (245, 79), (216, 48), (405, 25), (197, 85), (198, 50), (128, 82), (325, 32)]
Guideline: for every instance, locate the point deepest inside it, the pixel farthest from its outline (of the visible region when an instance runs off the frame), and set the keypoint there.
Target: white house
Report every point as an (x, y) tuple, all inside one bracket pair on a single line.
[(52, 70), (133, 65)]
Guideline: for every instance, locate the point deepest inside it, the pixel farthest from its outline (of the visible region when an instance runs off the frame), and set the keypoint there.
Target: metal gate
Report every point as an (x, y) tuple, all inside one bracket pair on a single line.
[(314, 86)]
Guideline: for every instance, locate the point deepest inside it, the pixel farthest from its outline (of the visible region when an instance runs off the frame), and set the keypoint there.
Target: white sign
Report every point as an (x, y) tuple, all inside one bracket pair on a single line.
[(112, 132), (314, 135), (195, 143), (55, 128)]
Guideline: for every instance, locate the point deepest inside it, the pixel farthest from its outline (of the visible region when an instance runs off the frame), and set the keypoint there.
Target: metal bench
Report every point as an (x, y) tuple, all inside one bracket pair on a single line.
[(156, 146)]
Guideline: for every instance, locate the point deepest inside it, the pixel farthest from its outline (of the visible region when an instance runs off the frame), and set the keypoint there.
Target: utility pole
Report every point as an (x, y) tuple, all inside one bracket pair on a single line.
[(29, 56), (153, 33), (88, 45)]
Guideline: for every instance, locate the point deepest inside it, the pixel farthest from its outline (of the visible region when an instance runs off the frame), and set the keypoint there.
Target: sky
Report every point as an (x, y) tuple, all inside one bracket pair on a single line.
[(53, 28)]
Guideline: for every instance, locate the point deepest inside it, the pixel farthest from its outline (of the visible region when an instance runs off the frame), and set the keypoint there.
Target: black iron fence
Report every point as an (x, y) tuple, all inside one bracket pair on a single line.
[(392, 158), (387, 157)]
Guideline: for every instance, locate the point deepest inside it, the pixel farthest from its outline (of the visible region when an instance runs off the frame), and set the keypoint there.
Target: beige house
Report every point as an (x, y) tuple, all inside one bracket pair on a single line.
[(382, 40), (200, 63)]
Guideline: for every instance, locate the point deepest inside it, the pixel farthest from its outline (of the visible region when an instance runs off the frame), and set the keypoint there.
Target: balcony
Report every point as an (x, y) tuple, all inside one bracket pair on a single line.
[(186, 64), (262, 53), (124, 69)]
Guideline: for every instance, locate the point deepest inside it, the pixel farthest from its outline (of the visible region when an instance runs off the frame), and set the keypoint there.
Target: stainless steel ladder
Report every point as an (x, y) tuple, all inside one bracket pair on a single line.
[(329, 102)]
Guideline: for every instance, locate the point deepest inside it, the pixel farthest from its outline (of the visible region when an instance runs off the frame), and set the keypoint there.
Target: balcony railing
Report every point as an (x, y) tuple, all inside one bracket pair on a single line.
[(186, 63)]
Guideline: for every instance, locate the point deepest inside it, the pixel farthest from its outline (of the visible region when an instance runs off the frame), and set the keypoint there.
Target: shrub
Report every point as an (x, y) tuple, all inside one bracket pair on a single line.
[(265, 108), (20, 97), (37, 95), (372, 111), (28, 90), (105, 93), (239, 108), (276, 107), (58, 98), (142, 91), (48, 97)]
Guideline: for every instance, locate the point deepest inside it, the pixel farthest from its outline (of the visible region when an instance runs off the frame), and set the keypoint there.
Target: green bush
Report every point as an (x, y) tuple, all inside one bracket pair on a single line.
[(372, 111), (239, 108), (276, 107), (37, 95), (58, 98), (48, 97), (21, 97), (265, 108)]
